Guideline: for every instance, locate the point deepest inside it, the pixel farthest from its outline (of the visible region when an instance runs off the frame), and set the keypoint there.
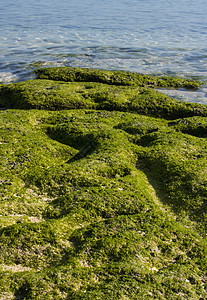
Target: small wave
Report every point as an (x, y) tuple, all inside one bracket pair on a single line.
[(7, 77)]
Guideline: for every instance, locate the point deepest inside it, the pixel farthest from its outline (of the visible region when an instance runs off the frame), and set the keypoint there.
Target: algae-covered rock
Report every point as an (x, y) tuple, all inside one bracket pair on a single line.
[(113, 77), (99, 200), (196, 126), (53, 95)]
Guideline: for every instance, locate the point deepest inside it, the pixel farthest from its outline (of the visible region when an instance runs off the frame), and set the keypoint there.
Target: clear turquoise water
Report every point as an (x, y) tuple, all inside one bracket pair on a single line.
[(151, 36)]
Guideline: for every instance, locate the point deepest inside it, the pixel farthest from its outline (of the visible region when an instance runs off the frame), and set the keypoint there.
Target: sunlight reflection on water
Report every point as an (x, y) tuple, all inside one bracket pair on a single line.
[(151, 37)]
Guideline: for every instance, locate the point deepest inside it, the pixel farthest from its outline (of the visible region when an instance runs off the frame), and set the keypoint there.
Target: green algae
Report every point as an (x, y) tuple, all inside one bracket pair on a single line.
[(194, 126), (52, 95), (113, 77), (100, 204)]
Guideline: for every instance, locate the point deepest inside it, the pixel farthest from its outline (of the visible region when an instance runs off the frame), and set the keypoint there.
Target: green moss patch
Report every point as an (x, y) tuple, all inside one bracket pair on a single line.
[(194, 126), (113, 77), (52, 95), (99, 200)]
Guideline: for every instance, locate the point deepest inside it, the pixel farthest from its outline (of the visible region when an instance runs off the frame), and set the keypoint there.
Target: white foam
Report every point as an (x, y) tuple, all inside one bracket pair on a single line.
[(7, 77)]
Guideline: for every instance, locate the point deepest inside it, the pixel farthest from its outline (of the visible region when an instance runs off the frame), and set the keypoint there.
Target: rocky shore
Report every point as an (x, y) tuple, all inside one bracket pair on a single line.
[(103, 188)]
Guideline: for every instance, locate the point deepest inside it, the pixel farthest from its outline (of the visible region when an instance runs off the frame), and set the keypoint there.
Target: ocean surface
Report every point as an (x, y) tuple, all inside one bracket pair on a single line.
[(146, 36)]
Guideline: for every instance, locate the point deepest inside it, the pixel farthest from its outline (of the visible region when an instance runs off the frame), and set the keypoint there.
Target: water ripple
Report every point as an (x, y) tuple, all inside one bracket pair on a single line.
[(157, 37)]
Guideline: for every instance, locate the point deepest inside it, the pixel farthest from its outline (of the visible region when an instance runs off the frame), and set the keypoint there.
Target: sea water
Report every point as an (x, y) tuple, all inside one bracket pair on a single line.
[(146, 36)]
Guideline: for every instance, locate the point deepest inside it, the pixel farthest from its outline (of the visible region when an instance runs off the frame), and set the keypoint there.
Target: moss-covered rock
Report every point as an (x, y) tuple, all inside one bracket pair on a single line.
[(113, 77), (100, 204), (53, 95), (194, 126)]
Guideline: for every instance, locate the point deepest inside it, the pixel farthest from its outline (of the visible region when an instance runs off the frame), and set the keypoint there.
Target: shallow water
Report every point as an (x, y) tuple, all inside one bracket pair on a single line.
[(199, 96), (152, 37)]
